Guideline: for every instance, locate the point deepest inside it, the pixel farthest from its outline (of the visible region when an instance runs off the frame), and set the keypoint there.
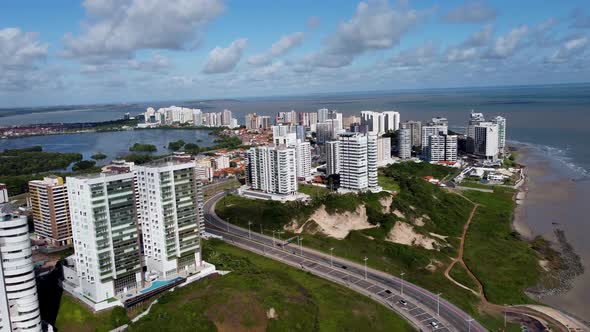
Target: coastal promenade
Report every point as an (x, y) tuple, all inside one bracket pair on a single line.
[(423, 309)]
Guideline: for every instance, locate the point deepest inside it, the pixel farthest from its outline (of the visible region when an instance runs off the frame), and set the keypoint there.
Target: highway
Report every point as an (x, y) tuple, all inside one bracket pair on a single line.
[(422, 308)]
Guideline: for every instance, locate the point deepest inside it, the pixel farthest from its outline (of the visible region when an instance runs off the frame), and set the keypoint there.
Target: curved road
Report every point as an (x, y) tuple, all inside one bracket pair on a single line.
[(422, 307)]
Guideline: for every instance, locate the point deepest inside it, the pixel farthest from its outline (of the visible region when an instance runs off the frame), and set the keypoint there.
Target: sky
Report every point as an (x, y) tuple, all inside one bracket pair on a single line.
[(101, 51)]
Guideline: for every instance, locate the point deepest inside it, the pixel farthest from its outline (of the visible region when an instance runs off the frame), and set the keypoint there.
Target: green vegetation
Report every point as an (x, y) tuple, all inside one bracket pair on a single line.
[(490, 245), (388, 183), (33, 160), (19, 166), (474, 184), (225, 142), (412, 169), (503, 263), (74, 316), (460, 275), (83, 165), (191, 148), (99, 156), (176, 145), (510, 161), (138, 147), (242, 300), (313, 191)]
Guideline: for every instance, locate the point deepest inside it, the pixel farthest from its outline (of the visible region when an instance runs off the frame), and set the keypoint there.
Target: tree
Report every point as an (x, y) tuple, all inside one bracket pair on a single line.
[(83, 165), (98, 156), (177, 145)]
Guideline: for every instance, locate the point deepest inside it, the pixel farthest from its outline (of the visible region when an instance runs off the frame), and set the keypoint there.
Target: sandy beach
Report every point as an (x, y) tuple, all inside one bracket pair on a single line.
[(555, 196)]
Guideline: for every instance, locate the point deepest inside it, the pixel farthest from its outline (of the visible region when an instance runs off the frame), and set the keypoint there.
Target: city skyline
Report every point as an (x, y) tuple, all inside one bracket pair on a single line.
[(94, 53)]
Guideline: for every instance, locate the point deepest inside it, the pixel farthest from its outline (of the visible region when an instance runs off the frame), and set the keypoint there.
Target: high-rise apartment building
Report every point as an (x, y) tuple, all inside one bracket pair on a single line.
[(170, 202), (380, 123), (272, 169), (3, 193), (303, 159), (322, 114), (404, 142), (439, 121), (19, 303), (105, 234), (383, 150), (332, 157), (486, 140), (501, 122), (442, 147), (474, 120), (226, 118), (415, 128), (358, 162), (430, 131), (50, 210)]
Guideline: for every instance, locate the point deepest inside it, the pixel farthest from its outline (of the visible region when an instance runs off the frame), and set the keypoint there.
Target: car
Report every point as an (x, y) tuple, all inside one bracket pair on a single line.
[(403, 302), (434, 324), (387, 291), (344, 267)]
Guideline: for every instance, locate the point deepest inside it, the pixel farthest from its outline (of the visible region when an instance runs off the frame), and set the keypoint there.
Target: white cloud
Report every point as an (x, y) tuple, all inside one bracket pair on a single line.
[(117, 29), (423, 55), (313, 22), (571, 48), (508, 44), (20, 49), (157, 63), (471, 12), (281, 47), (21, 54), (223, 60), (374, 26), (471, 47)]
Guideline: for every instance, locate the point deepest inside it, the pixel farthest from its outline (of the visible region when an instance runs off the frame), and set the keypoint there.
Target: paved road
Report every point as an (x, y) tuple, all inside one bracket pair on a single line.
[(422, 308)]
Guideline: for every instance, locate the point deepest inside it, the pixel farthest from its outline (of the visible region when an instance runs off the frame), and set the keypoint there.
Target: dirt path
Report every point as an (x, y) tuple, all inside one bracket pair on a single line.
[(484, 303)]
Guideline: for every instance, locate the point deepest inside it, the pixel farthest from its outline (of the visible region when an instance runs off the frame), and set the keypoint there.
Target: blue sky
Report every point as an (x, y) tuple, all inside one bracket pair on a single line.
[(67, 52)]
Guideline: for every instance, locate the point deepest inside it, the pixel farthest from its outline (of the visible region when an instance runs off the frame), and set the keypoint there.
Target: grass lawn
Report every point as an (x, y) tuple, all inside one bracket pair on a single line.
[(313, 191), (74, 316), (388, 183), (241, 300), (473, 184), (460, 275), (504, 264)]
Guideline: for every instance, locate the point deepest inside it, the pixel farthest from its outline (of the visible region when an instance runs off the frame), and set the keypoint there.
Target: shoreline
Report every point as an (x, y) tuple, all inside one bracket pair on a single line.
[(556, 283)]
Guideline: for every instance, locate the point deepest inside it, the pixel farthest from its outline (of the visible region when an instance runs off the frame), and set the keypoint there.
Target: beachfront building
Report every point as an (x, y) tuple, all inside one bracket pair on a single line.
[(3, 193), (442, 148), (182, 115), (501, 122), (107, 259), (272, 169), (170, 203), (19, 303), (486, 139), (358, 162), (439, 121), (322, 115), (332, 157), (50, 210), (428, 131), (474, 120), (380, 122), (415, 128), (404, 142)]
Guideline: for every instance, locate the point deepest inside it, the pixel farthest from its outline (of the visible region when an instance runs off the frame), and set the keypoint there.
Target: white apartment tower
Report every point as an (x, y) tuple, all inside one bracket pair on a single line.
[(332, 157), (429, 131), (474, 120), (383, 151), (486, 140), (442, 148), (19, 303), (105, 233), (404, 142), (303, 159), (501, 122), (170, 202), (3, 193), (380, 123), (272, 169), (50, 210), (358, 162), (415, 128)]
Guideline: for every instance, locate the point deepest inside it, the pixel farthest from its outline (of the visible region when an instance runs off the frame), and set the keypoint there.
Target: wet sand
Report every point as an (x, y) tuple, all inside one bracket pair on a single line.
[(552, 200)]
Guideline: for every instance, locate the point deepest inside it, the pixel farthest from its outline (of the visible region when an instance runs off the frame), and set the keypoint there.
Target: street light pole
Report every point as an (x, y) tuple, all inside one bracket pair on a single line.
[(438, 304), (301, 245), (366, 267), (505, 306), (261, 229), (273, 238), (249, 233), (228, 221), (331, 257), (469, 324), (402, 288)]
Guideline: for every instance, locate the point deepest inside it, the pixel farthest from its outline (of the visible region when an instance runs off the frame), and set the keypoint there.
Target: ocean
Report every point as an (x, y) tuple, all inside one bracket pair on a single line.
[(551, 123)]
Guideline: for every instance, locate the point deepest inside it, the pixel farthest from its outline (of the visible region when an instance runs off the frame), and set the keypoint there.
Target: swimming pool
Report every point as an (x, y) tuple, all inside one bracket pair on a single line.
[(159, 283)]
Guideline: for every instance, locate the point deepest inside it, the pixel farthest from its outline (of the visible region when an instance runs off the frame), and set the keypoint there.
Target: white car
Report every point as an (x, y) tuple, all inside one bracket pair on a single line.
[(434, 324)]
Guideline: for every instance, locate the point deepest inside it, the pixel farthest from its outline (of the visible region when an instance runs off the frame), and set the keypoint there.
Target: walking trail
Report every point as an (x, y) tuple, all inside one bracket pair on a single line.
[(479, 292)]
